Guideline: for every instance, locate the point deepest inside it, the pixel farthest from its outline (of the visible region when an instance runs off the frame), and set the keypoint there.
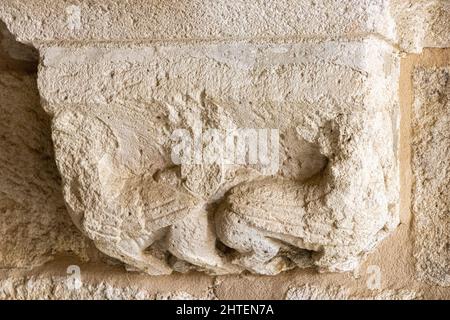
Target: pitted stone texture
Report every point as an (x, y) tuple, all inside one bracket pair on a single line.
[(182, 295), (15, 56), (422, 24), (16, 286), (431, 170), (33, 220), (412, 24), (402, 294), (34, 223), (334, 198), (109, 20), (314, 292), (58, 288)]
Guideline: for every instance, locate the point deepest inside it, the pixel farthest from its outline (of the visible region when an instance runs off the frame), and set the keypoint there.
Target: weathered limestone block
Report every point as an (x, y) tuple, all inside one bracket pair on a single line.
[(196, 20), (29, 185), (333, 198), (313, 292), (58, 288), (315, 85), (15, 287), (431, 165), (422, 23), (412, 24), (34, 224)]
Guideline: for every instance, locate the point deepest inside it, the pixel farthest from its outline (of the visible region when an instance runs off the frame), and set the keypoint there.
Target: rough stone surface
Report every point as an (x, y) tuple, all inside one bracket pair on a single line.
[(412, 24), (49, 20), (182, 295), (15, 56), (431, 169), (34, 225), (312, 292), (57, 289), (116, 78), (114, 111), (15, 285), (422, 23)]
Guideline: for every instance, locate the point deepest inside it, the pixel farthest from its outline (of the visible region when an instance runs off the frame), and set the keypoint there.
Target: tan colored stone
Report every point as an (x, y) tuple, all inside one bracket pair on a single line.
[(413, 24), (395, 295), (94, 58), (114, 110), (137, 20), (34, 224), (430, 165), (422, 24), (33, 219), (311, 292), (182, 295), (314, 292), (16, 285), (57, 288), (11, 49)]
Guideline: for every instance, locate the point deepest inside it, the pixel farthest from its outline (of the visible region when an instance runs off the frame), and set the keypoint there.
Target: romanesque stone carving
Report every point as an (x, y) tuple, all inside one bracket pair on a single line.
[(320, 83), (332, 199)]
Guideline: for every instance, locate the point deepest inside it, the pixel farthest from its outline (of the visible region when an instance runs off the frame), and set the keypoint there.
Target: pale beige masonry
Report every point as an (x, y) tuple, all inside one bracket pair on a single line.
[(118, 79), (411, 24), (422, 24), (49, 20), (118, 107), (431, 170), (314, 292), (57, 288), (34, 225), (33, 220), (115, 107)]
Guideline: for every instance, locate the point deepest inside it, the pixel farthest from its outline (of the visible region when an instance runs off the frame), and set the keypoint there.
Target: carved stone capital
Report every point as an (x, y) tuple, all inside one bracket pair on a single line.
[(306, 100)]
